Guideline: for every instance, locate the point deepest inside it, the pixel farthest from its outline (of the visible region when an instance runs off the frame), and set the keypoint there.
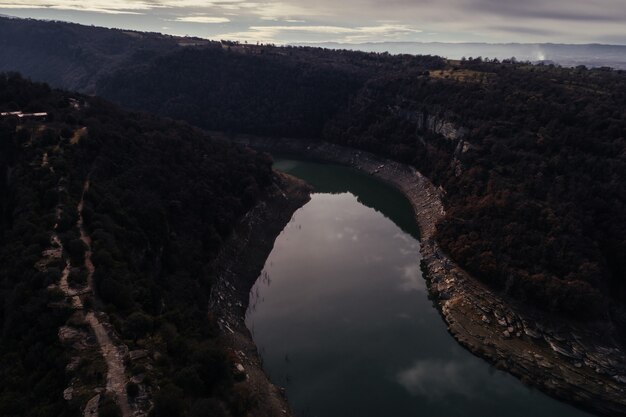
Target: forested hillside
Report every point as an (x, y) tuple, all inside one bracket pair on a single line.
[(163, 197), (260, 90), (532, 158), (533, 166), (72, 56)]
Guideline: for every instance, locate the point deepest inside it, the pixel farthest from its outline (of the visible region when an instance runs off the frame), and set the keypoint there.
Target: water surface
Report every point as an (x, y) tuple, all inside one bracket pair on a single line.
[(342, 318)]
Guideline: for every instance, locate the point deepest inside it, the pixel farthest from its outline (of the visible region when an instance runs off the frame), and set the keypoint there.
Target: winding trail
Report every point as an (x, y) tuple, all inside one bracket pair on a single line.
[(113, 352), (113, 355)]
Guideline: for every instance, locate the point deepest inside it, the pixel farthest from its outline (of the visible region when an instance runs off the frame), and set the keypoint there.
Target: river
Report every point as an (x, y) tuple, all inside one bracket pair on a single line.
[(342, 319)]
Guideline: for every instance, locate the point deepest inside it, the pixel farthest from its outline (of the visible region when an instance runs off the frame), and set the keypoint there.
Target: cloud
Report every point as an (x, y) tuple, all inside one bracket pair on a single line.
[(411, 276), (107, 6), (436, 379), (278, 33), (463, 376), (202, 19), (560, 10), (18, 6), (287, 11), (571, 21), (525, 30)]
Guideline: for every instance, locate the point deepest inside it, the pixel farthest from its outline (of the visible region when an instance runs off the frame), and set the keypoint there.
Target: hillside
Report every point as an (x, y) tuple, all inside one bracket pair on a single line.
[(111, 226), (75, 56), (532, 158), (590, 55)]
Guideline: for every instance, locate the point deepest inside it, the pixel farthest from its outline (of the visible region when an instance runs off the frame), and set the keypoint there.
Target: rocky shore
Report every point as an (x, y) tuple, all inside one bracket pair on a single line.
[(238, 267), (580, 363)]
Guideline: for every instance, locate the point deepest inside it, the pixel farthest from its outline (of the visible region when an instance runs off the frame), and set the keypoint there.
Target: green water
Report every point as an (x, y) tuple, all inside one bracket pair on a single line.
[(342, 319)]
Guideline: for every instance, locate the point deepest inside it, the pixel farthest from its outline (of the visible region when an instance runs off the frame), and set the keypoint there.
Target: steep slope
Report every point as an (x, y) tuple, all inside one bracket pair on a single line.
[(75, 56), (113, 226)]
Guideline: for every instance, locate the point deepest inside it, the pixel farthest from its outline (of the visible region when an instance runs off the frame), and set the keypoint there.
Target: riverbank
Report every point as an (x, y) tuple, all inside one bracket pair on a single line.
[(576, 362), (238, 267)]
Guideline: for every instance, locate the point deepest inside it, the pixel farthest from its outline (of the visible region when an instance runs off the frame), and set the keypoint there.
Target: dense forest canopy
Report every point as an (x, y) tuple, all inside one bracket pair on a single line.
[(532, 158), (163, 198)]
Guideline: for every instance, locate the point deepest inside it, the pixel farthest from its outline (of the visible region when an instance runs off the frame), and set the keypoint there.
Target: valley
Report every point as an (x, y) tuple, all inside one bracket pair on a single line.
[(140, 209)]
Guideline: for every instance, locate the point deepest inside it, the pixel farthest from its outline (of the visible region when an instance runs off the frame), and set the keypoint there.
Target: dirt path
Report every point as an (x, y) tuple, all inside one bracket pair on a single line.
[(85, 237), (113, 355)]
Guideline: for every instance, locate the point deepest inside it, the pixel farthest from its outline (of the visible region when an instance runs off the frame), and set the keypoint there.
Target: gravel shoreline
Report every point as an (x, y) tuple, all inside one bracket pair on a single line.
[(579, 363)]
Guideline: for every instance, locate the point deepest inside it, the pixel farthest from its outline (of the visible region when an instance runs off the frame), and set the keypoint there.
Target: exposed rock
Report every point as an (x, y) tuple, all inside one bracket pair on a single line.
[(532, 333), (134, 355), (91, 409), (440, 125), (138, 379), (620, 378), (74, 364), (69, 335), (68, 394)]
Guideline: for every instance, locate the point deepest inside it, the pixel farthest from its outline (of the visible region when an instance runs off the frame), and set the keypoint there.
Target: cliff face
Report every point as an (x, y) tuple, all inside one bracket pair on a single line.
[(440, 124)]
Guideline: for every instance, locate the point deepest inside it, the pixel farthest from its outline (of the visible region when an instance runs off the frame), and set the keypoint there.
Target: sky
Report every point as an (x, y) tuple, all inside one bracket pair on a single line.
[(348, 21)]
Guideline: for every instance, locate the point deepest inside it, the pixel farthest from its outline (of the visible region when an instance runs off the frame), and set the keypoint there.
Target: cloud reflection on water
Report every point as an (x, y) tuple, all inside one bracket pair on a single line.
[(435, 379)]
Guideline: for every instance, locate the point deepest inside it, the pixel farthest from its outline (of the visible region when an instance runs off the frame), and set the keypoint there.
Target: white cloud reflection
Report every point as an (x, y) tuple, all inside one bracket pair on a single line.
[(435, 379), (411, 276)]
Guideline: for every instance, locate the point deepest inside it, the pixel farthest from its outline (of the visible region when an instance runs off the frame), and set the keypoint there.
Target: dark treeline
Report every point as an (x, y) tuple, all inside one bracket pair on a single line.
[(163, 198)]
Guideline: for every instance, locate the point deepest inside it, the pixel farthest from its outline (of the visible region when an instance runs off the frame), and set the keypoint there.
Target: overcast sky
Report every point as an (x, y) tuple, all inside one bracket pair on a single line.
[(354, 21)]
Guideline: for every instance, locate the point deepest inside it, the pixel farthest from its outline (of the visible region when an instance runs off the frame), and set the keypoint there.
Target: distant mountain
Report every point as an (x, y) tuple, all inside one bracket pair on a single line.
[(591, 55)]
